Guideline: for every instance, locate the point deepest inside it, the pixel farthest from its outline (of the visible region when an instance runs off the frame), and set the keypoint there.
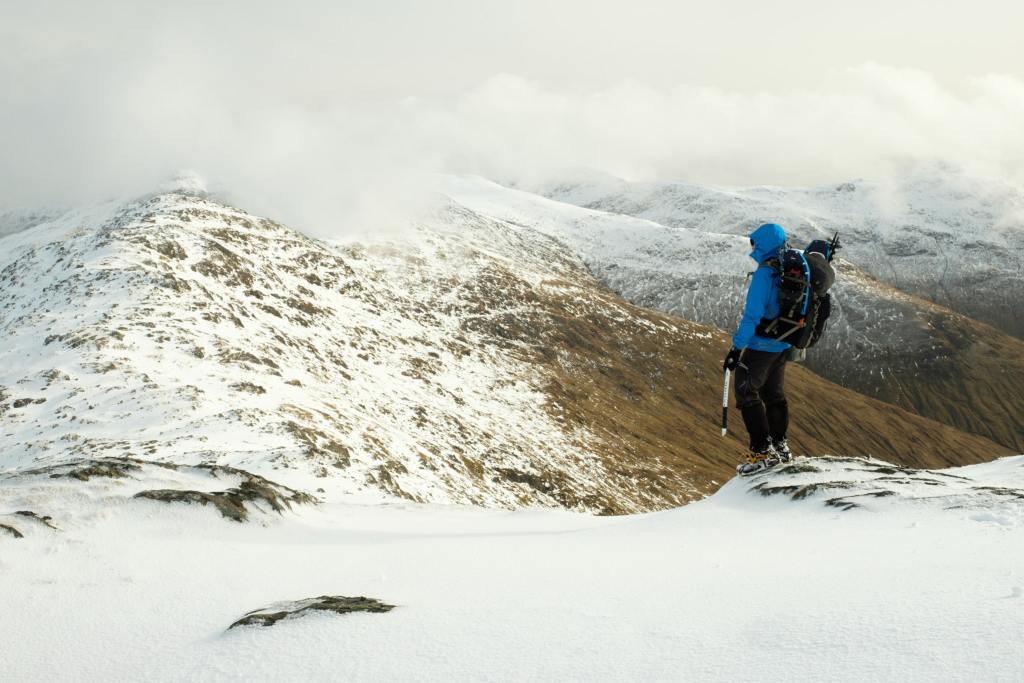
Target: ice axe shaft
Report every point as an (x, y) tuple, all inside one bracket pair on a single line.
[(725, 402)]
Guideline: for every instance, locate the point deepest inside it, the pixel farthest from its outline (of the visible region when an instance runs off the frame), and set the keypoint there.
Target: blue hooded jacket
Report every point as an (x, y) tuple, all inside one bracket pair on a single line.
[(762, 296)]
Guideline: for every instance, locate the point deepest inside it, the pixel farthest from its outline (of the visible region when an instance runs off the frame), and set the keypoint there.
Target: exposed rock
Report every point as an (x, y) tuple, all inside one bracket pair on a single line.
[(11, 530), (83, 470), (844, 503), (868, 479), (260, 493), (171, 249), (42, 519), (798, 468), (1002, 491), (319, 446), (249, 387), (268, 616), (801, 491), (231, 502)]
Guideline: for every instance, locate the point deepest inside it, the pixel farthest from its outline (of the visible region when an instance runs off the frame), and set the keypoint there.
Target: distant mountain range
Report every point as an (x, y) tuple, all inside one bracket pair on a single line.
[(936, 231)]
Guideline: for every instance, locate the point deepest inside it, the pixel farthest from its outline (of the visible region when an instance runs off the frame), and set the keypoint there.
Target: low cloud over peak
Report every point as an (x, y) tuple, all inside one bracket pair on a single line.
[(267, 111)]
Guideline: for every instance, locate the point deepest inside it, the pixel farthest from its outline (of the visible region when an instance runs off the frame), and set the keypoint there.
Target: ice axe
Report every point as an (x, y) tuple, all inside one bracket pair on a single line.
[(725, 384), (725, 402), (725, 396)]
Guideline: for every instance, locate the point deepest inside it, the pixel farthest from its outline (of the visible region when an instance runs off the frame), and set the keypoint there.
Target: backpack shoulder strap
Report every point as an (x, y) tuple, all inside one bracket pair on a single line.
[(772, 264)]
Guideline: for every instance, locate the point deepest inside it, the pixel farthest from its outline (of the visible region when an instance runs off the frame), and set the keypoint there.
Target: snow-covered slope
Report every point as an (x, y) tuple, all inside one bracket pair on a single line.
[(187, 331), (830, 569)]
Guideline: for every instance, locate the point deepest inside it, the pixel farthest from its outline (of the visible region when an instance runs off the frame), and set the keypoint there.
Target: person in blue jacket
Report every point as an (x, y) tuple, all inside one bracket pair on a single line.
[(758, 362)]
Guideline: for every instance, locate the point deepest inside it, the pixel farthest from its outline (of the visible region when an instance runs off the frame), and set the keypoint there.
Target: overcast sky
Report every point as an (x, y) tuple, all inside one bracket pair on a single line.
[(329, 100)]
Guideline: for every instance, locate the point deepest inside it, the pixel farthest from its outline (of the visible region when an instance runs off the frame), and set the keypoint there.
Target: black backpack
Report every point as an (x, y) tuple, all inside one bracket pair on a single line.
[(804, 302)]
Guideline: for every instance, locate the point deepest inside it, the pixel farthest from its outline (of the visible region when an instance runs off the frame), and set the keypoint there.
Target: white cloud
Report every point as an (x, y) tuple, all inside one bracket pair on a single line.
[(314, 118)]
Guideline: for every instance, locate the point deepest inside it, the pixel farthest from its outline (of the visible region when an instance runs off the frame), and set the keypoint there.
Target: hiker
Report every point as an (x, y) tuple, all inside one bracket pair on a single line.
[(757, 362)]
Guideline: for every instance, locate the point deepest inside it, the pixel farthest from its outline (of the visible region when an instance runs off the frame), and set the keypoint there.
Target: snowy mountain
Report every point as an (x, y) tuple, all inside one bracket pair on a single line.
[(884, 342), (473, 359), (184, 330), (936, 232), (12, 221), (231, 452)]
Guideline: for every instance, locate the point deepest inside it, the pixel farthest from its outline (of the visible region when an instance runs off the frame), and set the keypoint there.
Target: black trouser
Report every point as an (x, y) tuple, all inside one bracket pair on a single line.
[(761, 396)]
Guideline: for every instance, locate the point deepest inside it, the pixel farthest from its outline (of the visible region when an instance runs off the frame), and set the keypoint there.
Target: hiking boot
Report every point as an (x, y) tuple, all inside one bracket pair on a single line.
[(758, 461), (782, 450)]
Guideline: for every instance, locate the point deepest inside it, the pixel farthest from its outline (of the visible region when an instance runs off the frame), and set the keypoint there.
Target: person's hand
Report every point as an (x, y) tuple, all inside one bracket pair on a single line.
[(732, 360)]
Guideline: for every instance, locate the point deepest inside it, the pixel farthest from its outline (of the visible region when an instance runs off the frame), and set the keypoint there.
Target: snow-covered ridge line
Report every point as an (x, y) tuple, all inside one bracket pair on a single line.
[(182, 330)]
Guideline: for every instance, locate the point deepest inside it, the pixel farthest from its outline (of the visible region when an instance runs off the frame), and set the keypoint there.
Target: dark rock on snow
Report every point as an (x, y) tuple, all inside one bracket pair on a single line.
[(42, 519), (268, 616), (11, 530), (231, 502)]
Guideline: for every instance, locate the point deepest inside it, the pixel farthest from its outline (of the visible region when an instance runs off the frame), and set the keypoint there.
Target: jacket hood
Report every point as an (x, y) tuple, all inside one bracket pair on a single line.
[(768, 240)]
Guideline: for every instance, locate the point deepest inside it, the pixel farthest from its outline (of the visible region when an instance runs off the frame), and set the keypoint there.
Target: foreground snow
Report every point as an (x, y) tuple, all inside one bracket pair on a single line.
[(923, 582)]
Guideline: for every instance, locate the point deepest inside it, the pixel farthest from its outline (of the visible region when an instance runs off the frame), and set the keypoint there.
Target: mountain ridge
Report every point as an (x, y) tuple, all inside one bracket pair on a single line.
[(474, 361), (933, 231)]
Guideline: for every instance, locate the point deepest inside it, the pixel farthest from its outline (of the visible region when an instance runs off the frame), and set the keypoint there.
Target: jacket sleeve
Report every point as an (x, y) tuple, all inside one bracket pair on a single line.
[(755, 308)]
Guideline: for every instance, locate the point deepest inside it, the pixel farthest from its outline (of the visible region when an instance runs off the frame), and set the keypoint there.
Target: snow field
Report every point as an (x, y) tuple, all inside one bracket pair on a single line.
[(736, 587)]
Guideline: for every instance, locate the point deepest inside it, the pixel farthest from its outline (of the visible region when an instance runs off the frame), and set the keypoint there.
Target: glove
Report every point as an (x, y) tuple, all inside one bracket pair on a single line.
[(732, 360)]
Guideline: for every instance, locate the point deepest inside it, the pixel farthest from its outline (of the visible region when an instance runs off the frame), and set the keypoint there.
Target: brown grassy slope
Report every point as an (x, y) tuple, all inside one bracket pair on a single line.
[(948, 367), (650, 386), (973, 381)]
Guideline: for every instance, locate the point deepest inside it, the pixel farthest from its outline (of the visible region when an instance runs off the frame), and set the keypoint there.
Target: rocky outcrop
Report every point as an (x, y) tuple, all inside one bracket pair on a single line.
[(12, 531), (858, 483), (45, 520), (84, 470), (232, 491), (231, 503), (268, 616), (17, 524)]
